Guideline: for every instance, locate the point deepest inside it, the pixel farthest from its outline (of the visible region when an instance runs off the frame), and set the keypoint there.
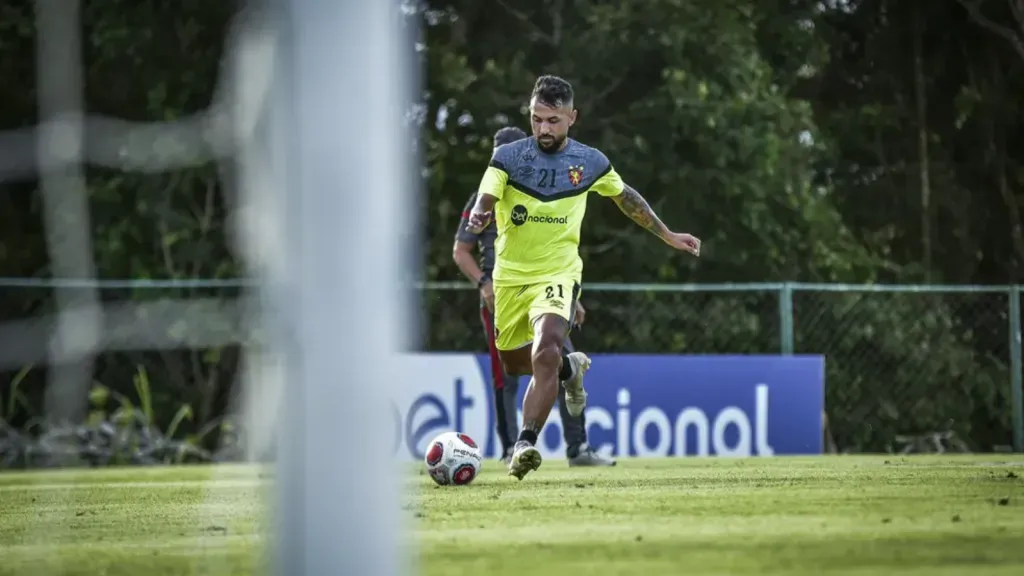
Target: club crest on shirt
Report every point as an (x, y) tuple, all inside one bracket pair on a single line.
[(575, 175)]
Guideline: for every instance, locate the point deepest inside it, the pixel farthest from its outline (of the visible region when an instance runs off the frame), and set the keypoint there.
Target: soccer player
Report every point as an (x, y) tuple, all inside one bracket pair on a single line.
[(506, 387), (536, 191)]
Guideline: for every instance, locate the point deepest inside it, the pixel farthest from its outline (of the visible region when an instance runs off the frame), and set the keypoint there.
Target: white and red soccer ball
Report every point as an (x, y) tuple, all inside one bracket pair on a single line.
[(453, 459)]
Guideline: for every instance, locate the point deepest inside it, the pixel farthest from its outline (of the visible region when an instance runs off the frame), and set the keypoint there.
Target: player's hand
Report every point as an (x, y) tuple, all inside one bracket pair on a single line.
[(580, 315), (683, 241), (478, 221), (487, 293)]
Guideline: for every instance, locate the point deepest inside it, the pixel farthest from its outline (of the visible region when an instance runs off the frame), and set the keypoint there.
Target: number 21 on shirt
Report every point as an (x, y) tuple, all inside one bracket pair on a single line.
[(547, 178)]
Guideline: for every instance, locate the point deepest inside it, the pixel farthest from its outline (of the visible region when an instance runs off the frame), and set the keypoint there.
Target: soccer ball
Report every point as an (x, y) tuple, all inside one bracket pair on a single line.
[(453, 458)]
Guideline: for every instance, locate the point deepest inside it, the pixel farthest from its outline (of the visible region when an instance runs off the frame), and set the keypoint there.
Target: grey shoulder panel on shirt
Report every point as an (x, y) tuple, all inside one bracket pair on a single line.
[(594, 160), (507, 156)]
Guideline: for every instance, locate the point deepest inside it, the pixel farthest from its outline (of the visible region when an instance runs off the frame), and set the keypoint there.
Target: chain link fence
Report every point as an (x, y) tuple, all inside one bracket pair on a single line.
[(906, 369), (910, 369)]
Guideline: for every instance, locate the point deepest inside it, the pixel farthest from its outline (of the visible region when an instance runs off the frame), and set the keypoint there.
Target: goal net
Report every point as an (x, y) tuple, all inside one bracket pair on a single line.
[(316, 171)]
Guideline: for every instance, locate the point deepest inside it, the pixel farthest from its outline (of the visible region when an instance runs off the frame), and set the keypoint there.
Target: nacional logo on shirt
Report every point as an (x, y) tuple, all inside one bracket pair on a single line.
[(520, 215)]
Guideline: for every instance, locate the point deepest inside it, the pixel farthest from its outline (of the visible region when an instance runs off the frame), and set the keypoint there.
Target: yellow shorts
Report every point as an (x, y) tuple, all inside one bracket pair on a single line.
[(517, 307)]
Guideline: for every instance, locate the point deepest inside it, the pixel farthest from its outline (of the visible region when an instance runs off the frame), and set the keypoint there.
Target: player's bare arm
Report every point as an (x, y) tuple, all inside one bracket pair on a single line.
[(636, 207), (462, 254), (481, 214)]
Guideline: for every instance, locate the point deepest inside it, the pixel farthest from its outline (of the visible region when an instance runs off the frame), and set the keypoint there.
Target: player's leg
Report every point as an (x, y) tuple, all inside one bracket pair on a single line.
[(574, 431), (517, 361), (541, 394), (574, 428), (575, 364), (514, 339), (509, 400), (513, 336), (551, 305), (505, 424)]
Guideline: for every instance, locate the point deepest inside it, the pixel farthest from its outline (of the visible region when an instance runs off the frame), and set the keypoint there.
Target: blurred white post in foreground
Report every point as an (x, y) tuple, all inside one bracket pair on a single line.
[(338, 130)]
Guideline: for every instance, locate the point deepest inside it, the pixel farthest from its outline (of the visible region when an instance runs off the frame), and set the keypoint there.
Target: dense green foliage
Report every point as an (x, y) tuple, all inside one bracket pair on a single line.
[(858, 141)]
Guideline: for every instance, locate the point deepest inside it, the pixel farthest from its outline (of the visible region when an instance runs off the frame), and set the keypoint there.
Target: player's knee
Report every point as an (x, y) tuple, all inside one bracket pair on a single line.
[(547, 353)]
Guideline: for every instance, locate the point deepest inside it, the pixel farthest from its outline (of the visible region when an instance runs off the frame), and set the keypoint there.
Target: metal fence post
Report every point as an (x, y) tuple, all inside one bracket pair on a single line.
[(1016, 376), (786, 319)]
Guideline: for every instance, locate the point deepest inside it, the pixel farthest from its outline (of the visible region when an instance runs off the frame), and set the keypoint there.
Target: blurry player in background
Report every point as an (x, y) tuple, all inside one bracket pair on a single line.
[(536, 190), (506, 387)]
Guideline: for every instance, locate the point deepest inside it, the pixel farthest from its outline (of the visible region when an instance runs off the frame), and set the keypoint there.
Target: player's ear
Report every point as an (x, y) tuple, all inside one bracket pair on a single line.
[(572, 117)]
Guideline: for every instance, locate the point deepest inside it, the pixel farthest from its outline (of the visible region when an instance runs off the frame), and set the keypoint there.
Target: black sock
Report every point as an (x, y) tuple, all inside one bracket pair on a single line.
[(528, 436), (565, 372)]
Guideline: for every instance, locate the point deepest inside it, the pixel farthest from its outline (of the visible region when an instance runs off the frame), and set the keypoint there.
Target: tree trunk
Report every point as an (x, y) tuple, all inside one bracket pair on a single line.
[(922, 144), (1001, 169)]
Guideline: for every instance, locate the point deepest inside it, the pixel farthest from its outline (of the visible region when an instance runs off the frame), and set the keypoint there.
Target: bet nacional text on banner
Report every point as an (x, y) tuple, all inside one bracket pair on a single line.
[(637, 405)]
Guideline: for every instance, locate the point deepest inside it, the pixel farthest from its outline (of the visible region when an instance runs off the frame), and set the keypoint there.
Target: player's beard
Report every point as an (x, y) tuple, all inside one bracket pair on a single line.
[(551, 145)]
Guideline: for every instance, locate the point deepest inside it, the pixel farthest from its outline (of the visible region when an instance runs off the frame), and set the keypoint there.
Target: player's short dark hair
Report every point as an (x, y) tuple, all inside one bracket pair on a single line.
[(553, 91), (507, 135)]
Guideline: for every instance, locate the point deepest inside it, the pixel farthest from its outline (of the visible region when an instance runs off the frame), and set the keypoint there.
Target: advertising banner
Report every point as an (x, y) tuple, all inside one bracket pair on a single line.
[(638, 405)]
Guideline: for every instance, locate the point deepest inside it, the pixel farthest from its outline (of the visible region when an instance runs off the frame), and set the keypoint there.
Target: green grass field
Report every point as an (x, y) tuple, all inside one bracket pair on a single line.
[(864, 515)]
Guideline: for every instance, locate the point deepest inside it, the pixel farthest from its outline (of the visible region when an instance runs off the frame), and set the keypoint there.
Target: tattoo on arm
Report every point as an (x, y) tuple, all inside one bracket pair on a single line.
[(633, 205)]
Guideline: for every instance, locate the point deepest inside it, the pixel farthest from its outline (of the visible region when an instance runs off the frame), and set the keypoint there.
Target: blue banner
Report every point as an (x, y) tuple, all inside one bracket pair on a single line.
[(638, 405)]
